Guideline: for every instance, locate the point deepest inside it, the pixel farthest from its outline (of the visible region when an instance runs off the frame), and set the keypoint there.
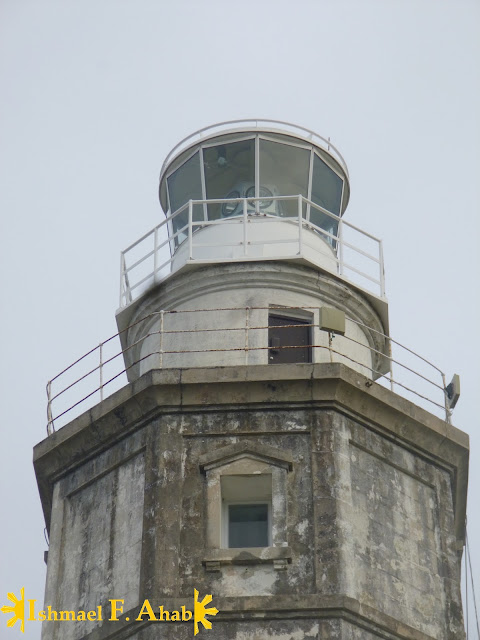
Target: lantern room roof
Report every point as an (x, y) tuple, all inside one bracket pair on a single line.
[(232, 129)]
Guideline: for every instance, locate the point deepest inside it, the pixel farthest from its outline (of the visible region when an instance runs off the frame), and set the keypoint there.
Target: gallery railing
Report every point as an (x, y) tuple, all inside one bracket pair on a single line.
[(349, 252), (102, 370)]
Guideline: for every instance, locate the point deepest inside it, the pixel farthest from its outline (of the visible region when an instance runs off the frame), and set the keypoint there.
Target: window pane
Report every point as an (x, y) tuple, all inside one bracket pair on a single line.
[(247, 525), (183, 185), (284, 172), (327, 192), (229, 173)]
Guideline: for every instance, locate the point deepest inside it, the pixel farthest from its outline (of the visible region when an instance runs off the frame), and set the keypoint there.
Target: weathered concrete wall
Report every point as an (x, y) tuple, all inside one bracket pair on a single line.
[(273, 630), (392, 518), (401, 507), (373, 514), (96, 536)]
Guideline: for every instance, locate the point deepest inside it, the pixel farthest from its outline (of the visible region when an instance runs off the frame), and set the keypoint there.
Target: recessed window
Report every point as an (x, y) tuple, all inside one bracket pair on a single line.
[(248, 525), (247, 510), (246, 505), (289, 339)]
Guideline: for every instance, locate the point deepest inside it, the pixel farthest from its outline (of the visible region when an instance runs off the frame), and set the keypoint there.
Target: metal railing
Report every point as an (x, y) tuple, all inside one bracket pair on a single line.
[(98, 373), (357, 256)]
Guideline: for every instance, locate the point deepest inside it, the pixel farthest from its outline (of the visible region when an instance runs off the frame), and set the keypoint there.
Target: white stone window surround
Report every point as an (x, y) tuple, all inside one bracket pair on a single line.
[(247, 459)]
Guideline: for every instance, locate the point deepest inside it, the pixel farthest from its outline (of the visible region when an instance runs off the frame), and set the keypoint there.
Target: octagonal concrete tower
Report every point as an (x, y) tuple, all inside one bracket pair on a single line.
[(254, 454)]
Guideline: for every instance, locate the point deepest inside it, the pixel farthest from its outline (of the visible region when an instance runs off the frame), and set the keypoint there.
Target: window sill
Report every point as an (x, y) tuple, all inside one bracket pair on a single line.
[(278, 556)]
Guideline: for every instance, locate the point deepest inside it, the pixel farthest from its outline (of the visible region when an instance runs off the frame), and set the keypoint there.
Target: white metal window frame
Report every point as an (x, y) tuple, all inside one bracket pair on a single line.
[(199, 150), (310, 181), (210, 145), (171, 232)]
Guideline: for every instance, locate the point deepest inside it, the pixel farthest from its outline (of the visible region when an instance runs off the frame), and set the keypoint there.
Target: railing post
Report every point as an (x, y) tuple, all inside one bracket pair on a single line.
[(247, 326), (190, 222), (125, 292), (122, 278), (390, 358), (245, 222), (161, 338), (100, 347), (300, 226), (340, 247), (50, 428), (155, 259), (448, 413), (382, 270)]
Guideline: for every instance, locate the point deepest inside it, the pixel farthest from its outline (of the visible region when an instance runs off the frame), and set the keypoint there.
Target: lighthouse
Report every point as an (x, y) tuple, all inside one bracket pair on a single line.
[(263, 447)]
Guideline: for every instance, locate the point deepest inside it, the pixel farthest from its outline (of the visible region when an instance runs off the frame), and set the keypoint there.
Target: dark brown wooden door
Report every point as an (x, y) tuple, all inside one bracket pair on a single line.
[(286, 332)]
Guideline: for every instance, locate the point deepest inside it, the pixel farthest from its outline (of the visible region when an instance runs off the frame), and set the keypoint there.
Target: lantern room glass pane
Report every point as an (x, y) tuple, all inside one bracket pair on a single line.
[(284, 171), (183, 185), (247, 525), (229, 173), (327, 192)]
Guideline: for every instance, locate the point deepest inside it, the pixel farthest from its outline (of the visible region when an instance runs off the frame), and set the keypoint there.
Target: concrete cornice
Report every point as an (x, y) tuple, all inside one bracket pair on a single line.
[(184, 287), (278, 607), (262, 387)]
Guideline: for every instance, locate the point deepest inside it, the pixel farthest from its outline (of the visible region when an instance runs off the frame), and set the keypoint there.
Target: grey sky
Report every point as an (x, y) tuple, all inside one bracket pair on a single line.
[(94, 95)]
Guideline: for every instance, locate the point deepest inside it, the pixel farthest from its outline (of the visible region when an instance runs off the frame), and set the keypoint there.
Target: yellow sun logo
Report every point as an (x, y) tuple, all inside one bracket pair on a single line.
[(18, 609), (200, 612)]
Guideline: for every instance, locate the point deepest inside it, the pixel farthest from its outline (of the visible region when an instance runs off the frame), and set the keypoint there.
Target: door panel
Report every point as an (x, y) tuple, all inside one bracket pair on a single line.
[(287, 332)]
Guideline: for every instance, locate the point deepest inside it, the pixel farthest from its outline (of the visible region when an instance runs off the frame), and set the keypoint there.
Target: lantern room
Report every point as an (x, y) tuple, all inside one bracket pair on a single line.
[(213, 179), (253, 191)]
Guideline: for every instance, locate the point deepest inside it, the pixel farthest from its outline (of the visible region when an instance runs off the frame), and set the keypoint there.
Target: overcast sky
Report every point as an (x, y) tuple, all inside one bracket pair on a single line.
[(94, 95)]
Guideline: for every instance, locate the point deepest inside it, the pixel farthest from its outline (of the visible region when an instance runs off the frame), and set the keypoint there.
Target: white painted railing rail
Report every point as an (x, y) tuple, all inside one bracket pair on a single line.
[(101, 371), (357, 255)]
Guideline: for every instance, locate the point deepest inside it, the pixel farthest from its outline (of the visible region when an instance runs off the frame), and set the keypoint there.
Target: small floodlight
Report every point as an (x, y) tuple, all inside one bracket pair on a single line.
[(453, 391)]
